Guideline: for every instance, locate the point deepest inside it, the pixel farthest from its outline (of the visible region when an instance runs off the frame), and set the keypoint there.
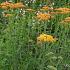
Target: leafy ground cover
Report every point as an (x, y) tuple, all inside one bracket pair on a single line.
[(35, 35)]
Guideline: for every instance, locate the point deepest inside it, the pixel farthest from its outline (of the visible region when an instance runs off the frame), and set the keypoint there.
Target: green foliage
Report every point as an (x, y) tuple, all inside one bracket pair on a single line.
[(18, 41)]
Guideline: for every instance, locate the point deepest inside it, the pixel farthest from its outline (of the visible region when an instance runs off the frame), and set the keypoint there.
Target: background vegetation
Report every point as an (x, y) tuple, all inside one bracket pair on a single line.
[(18, 38)]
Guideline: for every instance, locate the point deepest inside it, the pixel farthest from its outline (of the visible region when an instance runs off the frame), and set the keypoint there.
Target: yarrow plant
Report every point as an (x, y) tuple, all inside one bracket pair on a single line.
[(46, 38), (8, 5), (43, 16), (35, 35)]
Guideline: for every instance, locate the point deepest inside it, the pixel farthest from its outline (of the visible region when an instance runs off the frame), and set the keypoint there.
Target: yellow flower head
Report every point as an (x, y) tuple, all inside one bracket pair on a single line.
[(45, 38)]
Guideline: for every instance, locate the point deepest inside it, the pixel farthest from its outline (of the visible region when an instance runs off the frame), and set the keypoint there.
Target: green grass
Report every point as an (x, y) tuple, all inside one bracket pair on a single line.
[(18, 42)]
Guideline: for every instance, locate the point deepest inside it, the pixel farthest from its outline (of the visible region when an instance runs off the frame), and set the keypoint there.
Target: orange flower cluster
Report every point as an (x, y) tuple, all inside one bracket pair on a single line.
[(43, 16), (45, 38), (66, 12), (63, 10), (66, 20), (45, 8), (8, 5), (18, 5)]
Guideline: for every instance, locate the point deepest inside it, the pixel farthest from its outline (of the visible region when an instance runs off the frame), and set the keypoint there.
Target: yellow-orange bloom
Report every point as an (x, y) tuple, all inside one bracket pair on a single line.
[(7, 5), (63, 9), (66, 20), (18, 5), (64, 12), (43, 16), (4, 7), (45, 38), (60, 12), (45, 8)]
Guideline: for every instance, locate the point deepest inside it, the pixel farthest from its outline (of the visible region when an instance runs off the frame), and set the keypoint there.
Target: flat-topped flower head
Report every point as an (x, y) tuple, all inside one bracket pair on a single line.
[(62, 9), (66, 20), (18, 5), (45, 38), (45, 8), (43, 16), (5, 5), (8, 5)]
